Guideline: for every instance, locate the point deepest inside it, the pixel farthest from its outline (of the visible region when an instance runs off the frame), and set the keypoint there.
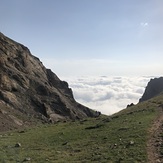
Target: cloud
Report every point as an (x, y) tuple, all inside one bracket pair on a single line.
[(107, 94), (144, 24)]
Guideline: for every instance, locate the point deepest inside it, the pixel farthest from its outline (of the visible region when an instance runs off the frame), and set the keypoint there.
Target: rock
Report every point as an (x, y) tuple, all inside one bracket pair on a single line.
[(129, 105), (27, 159), (97, 114), (158, 161), (94, 127), (123, 129), (108, 119), (17, 145), (65, 143), (114, 146), (47, 159), (154, 88), (27, 88), (131, 142), (22, 131)]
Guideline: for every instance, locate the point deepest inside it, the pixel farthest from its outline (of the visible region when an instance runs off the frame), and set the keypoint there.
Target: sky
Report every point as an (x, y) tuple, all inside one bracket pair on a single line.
[(89, 37), (92, 41)]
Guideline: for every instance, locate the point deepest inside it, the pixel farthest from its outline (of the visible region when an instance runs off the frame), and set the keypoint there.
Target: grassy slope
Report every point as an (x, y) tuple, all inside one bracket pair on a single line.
[(119, 138)]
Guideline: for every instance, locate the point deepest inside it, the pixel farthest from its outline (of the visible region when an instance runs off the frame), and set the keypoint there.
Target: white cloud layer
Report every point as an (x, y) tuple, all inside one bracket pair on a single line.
[(107, 94), (144, 24)]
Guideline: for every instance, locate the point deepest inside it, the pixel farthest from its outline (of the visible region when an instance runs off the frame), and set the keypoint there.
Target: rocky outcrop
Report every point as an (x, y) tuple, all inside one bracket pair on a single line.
[(27, 87), (154, 88)]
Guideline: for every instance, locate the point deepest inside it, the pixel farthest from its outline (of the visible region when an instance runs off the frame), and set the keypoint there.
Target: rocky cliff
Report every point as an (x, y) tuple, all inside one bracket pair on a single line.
[(154, 88), (29, 90)]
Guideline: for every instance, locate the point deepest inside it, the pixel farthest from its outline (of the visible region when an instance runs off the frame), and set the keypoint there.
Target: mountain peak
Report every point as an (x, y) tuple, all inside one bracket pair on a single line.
[(154, 88), (26, 86)]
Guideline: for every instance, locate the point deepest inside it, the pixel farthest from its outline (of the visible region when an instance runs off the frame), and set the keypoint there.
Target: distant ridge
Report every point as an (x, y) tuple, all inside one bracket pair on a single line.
[(154, 88), (30, 92)]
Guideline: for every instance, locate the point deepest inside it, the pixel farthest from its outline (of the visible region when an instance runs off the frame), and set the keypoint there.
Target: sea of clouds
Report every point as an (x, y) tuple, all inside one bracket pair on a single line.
[(108, 94)]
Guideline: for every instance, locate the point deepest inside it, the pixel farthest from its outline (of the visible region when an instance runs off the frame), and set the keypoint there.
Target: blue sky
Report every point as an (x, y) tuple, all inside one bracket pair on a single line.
[(89, 37)]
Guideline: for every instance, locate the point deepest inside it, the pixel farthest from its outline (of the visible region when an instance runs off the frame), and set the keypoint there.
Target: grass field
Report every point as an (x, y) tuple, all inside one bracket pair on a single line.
[(119, 138)]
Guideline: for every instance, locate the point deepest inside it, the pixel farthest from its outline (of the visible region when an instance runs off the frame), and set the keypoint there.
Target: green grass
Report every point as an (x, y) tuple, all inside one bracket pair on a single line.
[(119, 138)]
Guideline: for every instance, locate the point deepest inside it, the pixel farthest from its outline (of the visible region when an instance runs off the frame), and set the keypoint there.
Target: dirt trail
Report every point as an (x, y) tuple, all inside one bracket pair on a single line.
[(155, 141)]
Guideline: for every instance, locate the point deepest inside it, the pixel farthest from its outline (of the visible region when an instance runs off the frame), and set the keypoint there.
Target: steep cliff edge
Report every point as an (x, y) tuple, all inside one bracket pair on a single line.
[(27, 88), (154, 88)]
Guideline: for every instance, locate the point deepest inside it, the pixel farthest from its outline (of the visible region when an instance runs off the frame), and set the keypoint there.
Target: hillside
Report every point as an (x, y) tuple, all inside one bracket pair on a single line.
[(124, 137), (32, 97), (31, 93)]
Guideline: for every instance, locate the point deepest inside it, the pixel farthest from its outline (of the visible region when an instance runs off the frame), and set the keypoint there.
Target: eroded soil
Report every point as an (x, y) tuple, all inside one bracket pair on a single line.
[(155, 142)]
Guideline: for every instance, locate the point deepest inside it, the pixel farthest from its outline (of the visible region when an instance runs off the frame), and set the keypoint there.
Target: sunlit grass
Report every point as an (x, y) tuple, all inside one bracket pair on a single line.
[(119, 138)]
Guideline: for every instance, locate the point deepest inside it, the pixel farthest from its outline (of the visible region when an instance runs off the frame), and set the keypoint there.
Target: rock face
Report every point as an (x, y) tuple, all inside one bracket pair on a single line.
[(28, 89), (154, 88)]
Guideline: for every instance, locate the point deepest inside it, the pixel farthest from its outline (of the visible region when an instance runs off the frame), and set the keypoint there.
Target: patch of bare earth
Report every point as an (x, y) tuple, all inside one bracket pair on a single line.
[(155, 141)]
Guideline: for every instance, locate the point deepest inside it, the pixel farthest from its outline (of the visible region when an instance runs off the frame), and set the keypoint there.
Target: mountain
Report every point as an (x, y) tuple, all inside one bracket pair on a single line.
[(30, 92), (134, 135), (154, 88)]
